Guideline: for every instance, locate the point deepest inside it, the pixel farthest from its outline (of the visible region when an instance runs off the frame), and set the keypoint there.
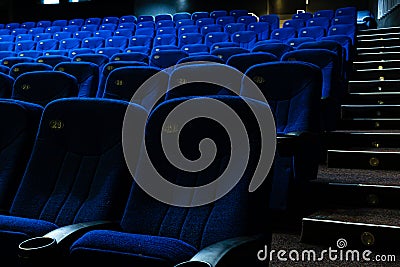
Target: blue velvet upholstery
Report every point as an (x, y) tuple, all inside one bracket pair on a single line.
[(316, 32), (156, 234), (242, 62), (72, 176), (86, 74), (294, 23), (53, 60), (134, 56), (188, 29), (226, 52), (204, 22), (99, 60), (332, 87), (209, 28), (263, 30), (272, 19), (196, 49), (93, 42), (42, 87), (278, 49), (122, 83), (319, 21), (295, 103), (245, 39), (231, 28), (167, 58), (47, 44), (327, 13), (180, 87), (190, 38), (4, 69), (216, 37), (110, 67), (246, 19), (21, 68), (20, 121), (6, 85), (11, 61), (209, 58)]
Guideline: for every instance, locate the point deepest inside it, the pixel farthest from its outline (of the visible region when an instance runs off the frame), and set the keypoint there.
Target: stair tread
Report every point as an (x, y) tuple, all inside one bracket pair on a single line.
[(358, 176), (362, 216)]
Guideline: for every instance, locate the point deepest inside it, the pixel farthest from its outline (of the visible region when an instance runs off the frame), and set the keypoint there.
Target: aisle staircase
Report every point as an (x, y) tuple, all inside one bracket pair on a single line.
[(358, 190)]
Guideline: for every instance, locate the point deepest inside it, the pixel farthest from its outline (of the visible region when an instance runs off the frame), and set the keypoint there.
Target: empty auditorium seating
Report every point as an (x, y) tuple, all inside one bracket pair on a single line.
[(6, 82), (86, 74), (110, 67), (122, 83), (295, 104), (278, 49), (332, 86), (166, 58), (149, 233), (20, 121), (226, 52), (21, 68), (70, 173), (242, 62), (42, 87)]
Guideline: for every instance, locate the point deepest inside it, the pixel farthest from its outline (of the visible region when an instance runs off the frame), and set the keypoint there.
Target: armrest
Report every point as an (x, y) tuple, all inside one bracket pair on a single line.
[(56, 243), (231, 252), (71, 232)]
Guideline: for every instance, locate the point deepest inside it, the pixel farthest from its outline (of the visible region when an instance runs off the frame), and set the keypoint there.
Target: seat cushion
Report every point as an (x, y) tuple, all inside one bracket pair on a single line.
[(123, 249)]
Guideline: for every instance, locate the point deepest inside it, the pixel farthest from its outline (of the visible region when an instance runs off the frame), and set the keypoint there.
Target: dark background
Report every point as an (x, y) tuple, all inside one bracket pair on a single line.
[(23, 10)]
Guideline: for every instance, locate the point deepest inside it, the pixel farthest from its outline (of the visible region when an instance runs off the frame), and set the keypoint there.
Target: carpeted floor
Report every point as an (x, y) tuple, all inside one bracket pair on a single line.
[(290, 243), (352, 176)]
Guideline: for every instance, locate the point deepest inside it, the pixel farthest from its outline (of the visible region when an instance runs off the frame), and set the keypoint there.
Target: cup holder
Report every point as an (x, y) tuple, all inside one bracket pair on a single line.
[(37, 247), (194, 264)]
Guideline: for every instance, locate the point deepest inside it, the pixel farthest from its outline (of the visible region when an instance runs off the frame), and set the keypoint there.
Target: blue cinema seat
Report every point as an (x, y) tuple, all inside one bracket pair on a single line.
[(20, 121), (243, 62), (72, 176), (6, 84), (42, 87), (293, 91), (21, 68), (86, 74), (153, 233)]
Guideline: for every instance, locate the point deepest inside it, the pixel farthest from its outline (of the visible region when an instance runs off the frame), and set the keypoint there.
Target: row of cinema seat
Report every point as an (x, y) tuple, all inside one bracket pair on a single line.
[(92, 71), (148, 232), (193, 34), (68, 196)]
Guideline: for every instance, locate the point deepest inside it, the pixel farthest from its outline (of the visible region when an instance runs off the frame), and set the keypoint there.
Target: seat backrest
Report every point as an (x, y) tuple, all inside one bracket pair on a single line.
[(327, 61), (124, 83), (11, 61), (110, 66), (272, 19), (21, 68), (316, 32), (133, 56), (52, 60), (226, 52), (283, 34), (70, 43), (245, 39), (235, 214), (88, 169), (86, 74), (190, 38), (197, 49), (278, 49), (263, 30), (201, 58), (93, 42), (216, 37), (243, 62), (294, 23), (181, 15), (21, 121), (6, 85), (183, 82), (295, 101), (232, 28), (42, 87), (99, 60), (166, 58), (328, 13)]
